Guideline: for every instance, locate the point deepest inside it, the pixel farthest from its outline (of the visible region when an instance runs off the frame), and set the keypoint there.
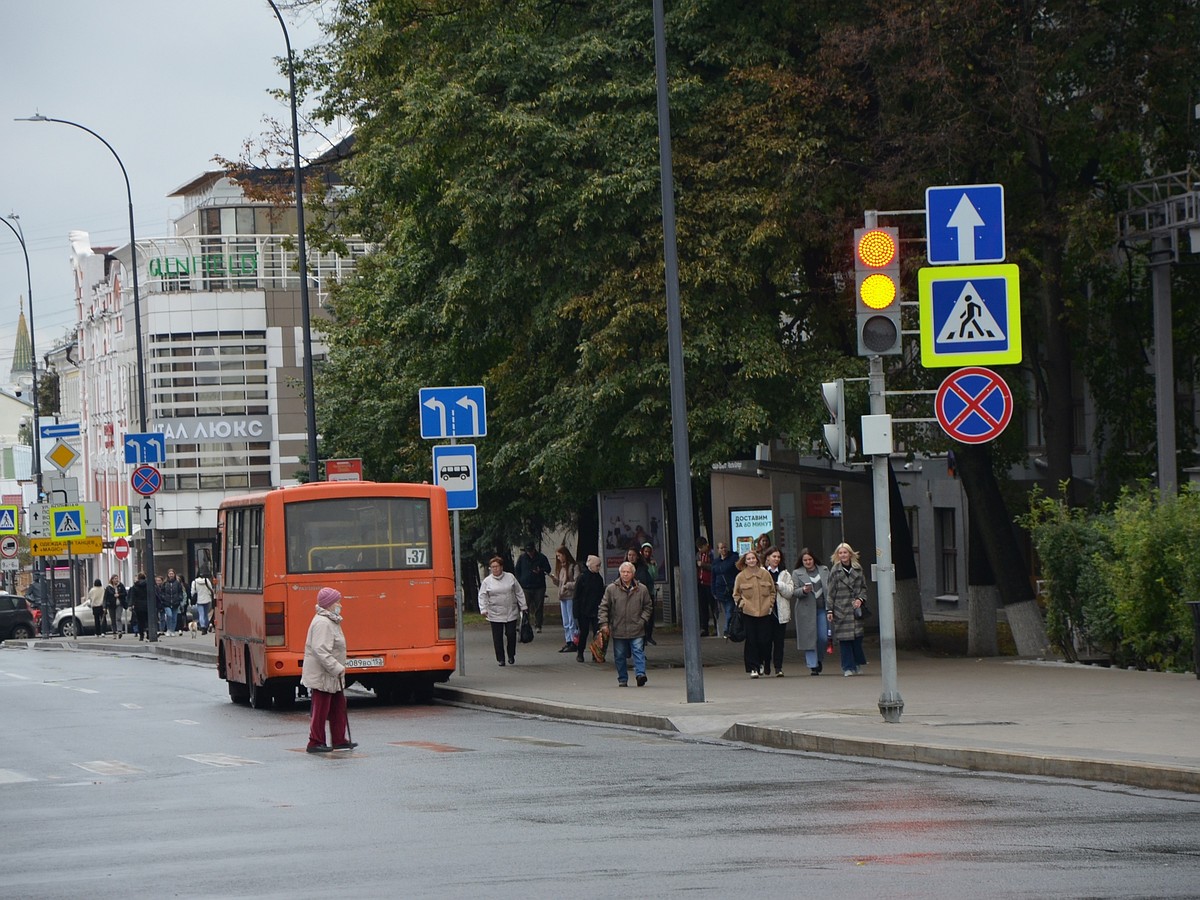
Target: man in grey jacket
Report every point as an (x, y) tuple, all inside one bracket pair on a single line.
[(624, 612)]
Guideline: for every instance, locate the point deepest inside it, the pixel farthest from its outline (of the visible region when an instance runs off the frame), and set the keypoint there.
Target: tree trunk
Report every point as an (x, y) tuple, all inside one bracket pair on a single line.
[(1002, 548), (910, 617), (982, 595)]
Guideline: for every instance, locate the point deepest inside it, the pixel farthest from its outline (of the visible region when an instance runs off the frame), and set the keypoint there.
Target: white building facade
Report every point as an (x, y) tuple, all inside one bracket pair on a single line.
[(223, 346)]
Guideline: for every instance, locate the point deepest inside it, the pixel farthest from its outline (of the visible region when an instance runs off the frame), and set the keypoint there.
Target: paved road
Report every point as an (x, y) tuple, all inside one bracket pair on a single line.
[(1025, 717), (127, 775)]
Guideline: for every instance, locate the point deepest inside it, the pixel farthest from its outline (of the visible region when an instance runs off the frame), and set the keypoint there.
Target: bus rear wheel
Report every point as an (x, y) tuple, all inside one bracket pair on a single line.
[(260, 694), (238, 693)]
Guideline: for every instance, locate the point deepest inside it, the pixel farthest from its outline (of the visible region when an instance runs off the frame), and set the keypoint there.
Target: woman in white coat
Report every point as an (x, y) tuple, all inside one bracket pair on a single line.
[(501, 602), (811, 581), (324, 674)]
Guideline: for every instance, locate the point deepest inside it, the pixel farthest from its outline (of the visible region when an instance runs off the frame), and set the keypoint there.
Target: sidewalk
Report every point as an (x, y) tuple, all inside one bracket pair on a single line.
[(1023, 717)]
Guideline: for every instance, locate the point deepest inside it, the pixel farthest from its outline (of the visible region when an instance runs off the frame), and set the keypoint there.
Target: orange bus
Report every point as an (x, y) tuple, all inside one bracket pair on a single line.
[(386, 547)]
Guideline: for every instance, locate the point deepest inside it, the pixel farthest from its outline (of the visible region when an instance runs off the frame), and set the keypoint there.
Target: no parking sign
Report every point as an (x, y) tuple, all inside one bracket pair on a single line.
[(974, 405)]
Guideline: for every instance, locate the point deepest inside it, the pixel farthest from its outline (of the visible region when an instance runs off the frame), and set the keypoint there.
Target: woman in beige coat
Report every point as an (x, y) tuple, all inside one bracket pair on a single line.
[(754, 594), (324, 674)]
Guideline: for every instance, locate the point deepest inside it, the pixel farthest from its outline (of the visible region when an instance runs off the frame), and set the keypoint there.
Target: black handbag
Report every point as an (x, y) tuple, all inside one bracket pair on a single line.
[(526, 629), (737, 627)]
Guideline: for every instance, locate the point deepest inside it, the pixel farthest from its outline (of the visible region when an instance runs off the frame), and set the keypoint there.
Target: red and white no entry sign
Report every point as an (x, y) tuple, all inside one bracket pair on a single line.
[(120, 548), (973, 405)]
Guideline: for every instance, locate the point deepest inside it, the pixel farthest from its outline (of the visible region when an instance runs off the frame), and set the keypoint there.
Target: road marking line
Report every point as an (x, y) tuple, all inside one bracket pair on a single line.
[(221, 760), (186, 722), (8, 776), (109, 767)]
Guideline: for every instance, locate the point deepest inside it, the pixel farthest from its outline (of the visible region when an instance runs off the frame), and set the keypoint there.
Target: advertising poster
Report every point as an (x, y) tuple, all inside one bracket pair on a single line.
[(746, 524), (629, 519)]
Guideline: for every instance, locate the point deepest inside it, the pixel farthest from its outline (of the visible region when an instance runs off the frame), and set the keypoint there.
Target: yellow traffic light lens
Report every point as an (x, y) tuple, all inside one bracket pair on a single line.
[(876, 248), (878, 291)]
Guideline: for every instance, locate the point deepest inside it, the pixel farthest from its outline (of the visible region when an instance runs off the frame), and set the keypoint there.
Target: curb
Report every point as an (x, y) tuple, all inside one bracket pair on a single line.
[(1142, 775), (511, 703)]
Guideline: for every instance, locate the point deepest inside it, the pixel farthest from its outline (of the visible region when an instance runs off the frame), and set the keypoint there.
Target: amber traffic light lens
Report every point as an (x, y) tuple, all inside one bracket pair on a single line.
[(876, 248)]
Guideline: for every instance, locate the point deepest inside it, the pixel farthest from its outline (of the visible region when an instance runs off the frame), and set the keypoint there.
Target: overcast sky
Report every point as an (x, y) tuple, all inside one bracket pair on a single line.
[(168, 83)]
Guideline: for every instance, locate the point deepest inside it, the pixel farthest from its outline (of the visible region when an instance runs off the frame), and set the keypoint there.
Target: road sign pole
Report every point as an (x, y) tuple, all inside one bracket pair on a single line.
[(890, 703)]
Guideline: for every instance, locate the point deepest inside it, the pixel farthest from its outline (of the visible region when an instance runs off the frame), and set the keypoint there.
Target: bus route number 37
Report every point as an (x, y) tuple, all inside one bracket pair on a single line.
[(416, 556)]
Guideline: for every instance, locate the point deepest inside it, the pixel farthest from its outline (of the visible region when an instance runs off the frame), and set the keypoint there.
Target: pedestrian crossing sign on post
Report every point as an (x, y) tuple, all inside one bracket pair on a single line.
[(8, 520), (118, 521), (66, 522), (970, 315)]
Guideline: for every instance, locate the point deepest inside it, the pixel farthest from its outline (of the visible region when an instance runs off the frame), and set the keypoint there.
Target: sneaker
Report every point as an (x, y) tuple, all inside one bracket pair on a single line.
[(762, 670), (754, 674), (500, 663), (641, 681), (622, 684), (512, 660), (319, 748), (779, 674), (349, 745), (847, 674)]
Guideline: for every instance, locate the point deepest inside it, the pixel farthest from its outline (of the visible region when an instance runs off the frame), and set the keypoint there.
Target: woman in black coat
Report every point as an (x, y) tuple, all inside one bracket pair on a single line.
[(139, 599), (589, 590)]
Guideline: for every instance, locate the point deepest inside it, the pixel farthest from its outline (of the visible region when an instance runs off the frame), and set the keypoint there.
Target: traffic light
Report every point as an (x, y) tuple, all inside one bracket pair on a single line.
[(834, 395), (877, 290)]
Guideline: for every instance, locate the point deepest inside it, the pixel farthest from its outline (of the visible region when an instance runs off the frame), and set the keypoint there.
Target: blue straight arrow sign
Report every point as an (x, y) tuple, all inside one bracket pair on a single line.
[(965, 224)]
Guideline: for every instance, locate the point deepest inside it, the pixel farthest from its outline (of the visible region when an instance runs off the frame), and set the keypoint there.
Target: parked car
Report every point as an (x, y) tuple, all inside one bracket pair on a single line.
[(16, 618), (75, 621)]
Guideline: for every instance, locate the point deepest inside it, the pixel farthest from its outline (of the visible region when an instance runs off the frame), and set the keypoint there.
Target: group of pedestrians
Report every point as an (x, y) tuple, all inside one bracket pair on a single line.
[(827, 604), (118, 611), (622, 612)]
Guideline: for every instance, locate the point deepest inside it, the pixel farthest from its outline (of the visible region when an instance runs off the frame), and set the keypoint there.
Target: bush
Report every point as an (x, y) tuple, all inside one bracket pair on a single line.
[(1120, 579)]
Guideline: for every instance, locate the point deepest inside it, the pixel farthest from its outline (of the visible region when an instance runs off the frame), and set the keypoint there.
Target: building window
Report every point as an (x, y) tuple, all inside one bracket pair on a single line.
[(947, 542)]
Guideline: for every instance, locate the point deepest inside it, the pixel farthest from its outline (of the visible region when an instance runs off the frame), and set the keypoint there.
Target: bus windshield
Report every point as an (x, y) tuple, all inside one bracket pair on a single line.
[(369, 534)]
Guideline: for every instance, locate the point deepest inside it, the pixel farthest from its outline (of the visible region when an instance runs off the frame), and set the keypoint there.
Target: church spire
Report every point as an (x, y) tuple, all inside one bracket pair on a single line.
[(22, 363)]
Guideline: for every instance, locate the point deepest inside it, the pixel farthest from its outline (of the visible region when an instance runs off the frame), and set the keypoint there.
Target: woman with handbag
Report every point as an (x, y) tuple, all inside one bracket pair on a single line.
[(782, 613), (564, 576), (589, 590), (754, 594), (501, 602), (843, 601)]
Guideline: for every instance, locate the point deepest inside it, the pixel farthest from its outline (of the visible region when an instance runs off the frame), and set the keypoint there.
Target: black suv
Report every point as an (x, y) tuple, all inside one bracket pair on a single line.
[(16, 618)]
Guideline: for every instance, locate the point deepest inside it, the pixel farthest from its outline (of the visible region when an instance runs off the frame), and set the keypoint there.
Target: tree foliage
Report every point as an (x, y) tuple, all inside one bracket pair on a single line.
[(506, 169)]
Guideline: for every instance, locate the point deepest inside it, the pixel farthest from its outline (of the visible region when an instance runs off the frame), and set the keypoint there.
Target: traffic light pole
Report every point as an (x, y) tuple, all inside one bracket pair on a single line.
[(891, 705)]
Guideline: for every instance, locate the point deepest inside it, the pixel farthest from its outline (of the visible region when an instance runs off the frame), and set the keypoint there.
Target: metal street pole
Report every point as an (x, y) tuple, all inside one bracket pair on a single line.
[(143, 419), (891, 705), (35, 432), (693, 673), (298, 181)]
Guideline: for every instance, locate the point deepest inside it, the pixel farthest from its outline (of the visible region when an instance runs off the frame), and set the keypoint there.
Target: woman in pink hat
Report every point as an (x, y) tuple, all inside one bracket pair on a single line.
[(324, 674)]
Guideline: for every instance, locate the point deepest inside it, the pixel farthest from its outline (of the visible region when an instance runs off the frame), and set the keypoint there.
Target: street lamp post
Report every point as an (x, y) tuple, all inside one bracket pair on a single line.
[(151, 624), (35, 431), (298, 180)]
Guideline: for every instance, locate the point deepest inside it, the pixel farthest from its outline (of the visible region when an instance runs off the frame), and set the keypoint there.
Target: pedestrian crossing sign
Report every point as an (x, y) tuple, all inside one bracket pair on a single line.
[(970, 315), (118, 521), (66, 522), (8, 520)]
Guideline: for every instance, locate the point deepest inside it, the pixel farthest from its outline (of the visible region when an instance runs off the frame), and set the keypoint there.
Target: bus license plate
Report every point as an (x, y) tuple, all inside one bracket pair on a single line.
[(365, 662)]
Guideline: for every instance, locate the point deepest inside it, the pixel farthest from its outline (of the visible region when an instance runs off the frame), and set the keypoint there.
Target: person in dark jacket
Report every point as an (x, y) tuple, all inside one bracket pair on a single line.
[(141, 609), (114, 605), (174, 596), (724, 573), (624, 611), (646, 572), (531, 570), (589, 589)]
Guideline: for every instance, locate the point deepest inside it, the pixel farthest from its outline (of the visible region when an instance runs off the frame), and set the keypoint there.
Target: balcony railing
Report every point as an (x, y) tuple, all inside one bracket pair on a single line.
[(242, 262)]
